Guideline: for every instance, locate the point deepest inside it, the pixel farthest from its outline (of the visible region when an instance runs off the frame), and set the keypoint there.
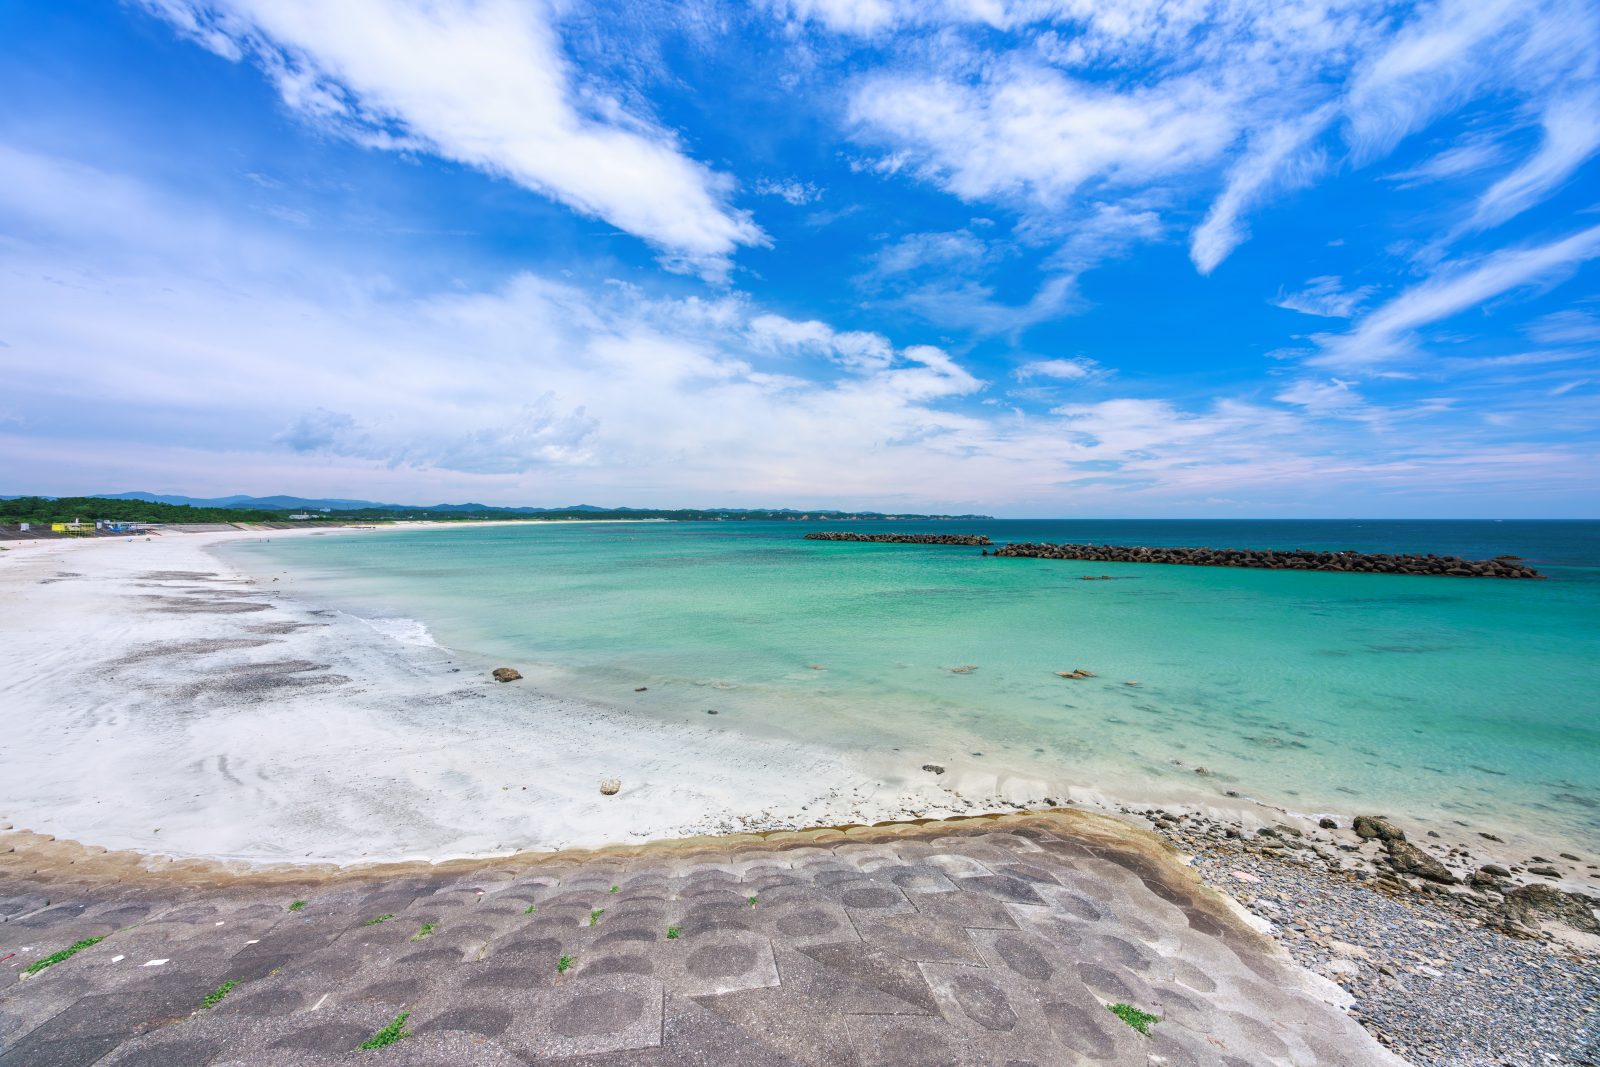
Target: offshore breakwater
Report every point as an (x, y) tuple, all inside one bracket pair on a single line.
[(1281, 560), (970, 540)]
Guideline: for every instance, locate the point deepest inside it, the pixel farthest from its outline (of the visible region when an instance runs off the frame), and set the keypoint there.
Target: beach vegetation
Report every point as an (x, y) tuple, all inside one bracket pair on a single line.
[(531, 908), (1139, 1020), (379, 919), (298, 905), (426, 931), (65, 954), (214, 997), (45, 509), (594, 916), (673, 932), (395, 1031), (752, 901), (614, 888), (565, 962)]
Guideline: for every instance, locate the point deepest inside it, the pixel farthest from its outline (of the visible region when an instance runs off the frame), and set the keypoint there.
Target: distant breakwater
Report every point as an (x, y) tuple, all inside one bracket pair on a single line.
[(1274, 559), (970, 540)]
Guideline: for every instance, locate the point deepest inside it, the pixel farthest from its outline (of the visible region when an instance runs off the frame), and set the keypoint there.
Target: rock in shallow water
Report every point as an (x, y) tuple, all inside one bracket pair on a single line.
[(506, 674)]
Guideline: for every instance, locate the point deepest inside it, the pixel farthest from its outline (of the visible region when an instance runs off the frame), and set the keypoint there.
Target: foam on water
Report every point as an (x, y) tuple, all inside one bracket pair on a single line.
[(1456, 699), (404, 630)]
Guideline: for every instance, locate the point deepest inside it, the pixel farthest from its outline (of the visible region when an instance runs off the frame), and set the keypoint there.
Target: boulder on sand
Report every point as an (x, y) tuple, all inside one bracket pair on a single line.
[(1409, 859), (506, 674), (1527, 904), (1488, 876), (1369, 826)]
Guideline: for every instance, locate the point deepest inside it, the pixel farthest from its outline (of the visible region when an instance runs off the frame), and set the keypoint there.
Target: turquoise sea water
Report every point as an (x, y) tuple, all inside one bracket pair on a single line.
[(1471, 700)]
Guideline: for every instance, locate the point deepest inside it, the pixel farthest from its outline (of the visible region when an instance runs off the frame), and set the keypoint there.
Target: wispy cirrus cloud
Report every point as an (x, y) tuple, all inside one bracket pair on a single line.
[(1574, 326), (1284, 158), (1060, 370), (1470, 156), (1571, 135), (1327, 297), (1388, 332)]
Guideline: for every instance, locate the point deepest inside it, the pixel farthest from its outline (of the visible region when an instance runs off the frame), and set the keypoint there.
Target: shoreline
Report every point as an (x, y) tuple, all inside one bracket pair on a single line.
[(315, 658)]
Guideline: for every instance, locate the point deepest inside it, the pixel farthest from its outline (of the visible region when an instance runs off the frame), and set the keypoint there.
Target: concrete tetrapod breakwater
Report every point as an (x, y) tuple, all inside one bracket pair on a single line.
[(1275, 559), (971, 540)]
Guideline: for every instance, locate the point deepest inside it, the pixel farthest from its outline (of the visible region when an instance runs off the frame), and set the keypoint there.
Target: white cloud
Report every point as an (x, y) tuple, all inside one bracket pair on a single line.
[(1542, 52), (956, 249), (846, 16), (856, 349), (1469, 157), (1571, 135), (942, 276), (1333, 397), (1064, 370), (1282, 158), (1033, 133), (1326, 296), (1570, 327), (1433, 63), (1385, 333), (484, 83), (792, 190)]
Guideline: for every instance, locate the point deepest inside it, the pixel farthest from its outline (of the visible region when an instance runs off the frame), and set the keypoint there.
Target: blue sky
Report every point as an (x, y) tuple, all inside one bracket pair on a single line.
[(1028, 257)]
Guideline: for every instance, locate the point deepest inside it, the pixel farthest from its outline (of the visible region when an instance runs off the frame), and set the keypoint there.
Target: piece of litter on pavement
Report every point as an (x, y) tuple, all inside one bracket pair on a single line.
[(118, 959), (318, 1004), (154, 963), (254, 941), (219, 924)]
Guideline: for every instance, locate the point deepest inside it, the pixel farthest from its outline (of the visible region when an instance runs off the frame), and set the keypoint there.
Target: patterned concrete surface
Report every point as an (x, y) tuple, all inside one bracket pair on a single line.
[(990, 941)]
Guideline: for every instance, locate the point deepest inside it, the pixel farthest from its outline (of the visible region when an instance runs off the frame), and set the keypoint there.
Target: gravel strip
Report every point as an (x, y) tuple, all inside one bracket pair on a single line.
[(1432, 976)]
